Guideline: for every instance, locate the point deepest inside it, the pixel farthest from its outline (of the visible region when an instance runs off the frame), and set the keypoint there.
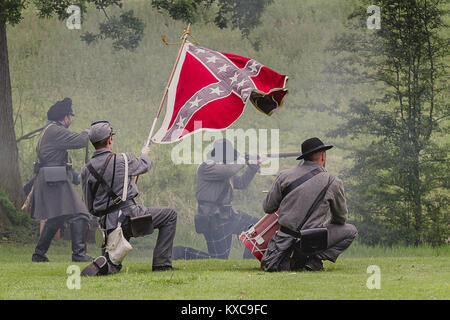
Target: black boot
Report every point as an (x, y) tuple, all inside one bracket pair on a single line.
[(98, 267), (112, 268), (78, 229), (314, 263), (48, 232)]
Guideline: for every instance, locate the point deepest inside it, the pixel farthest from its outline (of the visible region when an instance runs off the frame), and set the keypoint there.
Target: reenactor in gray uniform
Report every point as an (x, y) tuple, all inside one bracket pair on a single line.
[(98, 199), (294, 206), (53, 197), (216, 219)]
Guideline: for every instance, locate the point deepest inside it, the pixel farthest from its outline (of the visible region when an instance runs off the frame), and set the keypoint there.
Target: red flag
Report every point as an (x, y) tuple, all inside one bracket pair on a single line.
[(212, 88)]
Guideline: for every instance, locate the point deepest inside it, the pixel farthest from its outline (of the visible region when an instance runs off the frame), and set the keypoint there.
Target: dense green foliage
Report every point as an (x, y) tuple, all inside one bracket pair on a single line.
[(242, 14), (22, 227), (49, 62), (401, 190), (11, 10), (126, 30)]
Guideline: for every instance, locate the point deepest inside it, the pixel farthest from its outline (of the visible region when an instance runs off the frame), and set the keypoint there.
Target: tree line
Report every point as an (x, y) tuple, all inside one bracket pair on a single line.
[(397, 186)]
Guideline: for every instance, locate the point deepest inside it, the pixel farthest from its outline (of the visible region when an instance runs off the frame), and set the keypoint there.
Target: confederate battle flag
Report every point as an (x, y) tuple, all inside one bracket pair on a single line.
[(212, 88)]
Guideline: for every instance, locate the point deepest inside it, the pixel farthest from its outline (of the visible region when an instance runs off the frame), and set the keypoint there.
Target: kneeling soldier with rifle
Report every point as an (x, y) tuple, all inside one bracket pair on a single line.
[(109, 194), (216, 219)]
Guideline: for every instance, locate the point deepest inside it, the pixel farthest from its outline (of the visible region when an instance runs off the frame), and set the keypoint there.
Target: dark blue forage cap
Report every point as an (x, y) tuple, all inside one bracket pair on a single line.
[(60, 109)]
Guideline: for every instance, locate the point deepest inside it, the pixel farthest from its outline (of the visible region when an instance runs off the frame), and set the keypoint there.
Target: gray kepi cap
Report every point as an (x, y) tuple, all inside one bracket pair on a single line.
[(100, 130)]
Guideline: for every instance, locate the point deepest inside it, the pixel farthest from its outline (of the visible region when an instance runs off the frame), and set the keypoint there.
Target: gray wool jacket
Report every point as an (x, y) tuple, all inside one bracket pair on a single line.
[(56, 199), (215, 183), (101, 200), (294, 207)]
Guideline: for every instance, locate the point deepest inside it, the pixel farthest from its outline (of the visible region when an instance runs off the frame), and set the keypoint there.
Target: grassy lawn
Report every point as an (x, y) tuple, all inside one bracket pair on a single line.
[(406, 273)]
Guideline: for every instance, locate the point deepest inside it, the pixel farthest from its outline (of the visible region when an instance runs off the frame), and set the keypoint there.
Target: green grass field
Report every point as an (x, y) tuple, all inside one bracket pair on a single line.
[(406, 273)]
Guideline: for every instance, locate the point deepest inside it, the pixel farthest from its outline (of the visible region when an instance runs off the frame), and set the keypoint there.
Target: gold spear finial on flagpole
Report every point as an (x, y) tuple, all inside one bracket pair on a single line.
[(166, 90), (186, 33), (184, 37)]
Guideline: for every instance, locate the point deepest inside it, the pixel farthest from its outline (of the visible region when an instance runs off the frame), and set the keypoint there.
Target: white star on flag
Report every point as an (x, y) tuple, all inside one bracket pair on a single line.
[(223, 68), (195, 103), (180, 123), (234, 78), (216, 90), (240, 84), (254, 66), (212, 59)]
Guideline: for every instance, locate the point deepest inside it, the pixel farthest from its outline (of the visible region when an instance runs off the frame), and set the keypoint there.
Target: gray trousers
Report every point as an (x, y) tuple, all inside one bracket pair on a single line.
[(340, 237), (283, 252), (165, 220)]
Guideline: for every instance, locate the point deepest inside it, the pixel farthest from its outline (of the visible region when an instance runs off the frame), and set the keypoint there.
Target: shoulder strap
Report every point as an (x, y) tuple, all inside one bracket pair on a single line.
[(125, 179), (125, 186), (38, 147), (316, 202), (299, 181), (101, 173), (113, 177), (116, 199)]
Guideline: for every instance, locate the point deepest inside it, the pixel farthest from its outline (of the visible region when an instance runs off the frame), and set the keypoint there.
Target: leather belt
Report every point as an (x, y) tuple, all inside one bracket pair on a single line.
[(290, 232), (99, 213)]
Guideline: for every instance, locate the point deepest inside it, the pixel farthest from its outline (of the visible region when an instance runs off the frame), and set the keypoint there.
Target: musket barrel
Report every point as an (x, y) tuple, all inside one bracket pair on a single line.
[(274, 155), (284, 155)]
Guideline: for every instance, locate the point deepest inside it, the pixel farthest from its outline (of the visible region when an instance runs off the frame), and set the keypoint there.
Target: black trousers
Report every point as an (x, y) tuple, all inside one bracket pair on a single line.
[(58, 222), (218, 232), (219, 237), (51, 227)]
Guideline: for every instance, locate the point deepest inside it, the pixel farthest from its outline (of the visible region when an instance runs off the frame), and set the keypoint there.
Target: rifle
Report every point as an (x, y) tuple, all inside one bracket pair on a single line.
[(272, 155)]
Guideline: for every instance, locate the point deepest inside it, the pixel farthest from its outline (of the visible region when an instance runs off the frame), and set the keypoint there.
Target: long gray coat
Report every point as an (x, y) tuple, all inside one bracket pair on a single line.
[(50, 201), (293, 208)]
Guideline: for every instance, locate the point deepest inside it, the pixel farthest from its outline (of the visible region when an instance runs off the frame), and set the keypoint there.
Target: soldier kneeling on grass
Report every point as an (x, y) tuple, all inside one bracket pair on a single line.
[(304, 195), (109, 193)]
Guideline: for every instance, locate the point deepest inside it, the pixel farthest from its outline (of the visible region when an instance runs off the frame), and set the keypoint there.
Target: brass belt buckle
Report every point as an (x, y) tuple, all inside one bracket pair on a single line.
[(117, 201)]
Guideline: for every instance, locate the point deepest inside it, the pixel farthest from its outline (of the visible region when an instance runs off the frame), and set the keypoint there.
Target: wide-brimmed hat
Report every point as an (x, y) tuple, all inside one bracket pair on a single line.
[(60, 110), (223, 151), (312, 145)]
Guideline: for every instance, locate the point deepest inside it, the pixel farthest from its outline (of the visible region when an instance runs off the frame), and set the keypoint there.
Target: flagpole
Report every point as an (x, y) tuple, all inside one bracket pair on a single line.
[(166, 90)]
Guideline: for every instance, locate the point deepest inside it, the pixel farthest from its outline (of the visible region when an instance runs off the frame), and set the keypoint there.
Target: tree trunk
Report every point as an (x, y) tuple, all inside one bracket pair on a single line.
[(10, 180)]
